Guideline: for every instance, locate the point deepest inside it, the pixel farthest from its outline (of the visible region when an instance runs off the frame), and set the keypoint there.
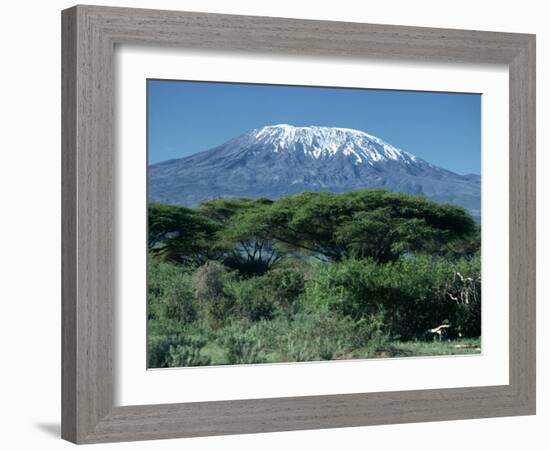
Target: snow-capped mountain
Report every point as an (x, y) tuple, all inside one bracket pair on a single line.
[(280, 160), (325, 142)]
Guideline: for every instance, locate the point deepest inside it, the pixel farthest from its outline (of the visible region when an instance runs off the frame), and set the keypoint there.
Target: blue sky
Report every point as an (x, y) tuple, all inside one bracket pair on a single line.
[(187, 117)]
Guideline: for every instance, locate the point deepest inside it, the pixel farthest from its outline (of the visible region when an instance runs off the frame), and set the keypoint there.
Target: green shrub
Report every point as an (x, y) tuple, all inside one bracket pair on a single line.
[(465, 291), (369, 333), (252, 300), (311, 336), (211, 281), (242, 343), (409, 296), (264, 297), (285, 285), (188, 353), (175, 351), (306, 310), (314, 336), (171, 293)]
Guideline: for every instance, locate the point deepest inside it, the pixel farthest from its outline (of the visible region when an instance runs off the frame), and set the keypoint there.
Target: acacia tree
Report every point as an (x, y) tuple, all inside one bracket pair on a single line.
[(248, 243), (181, 234), (374, 223), (380, 235), (222, 210), (251, 235)]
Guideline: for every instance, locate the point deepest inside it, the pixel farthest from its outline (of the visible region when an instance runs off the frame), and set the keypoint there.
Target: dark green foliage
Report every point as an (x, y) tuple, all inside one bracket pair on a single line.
[(370, 332), (171, 293), (188, 353), (252, 235), (375, 223), (411, 295), (249, 248), (264, 297), (252, 300), (223, 210), (465, 292), (176, 351), (181, 234), (284, 286), (315, 335), (211, 279), (315, 276), (247, 266), (243, 344)]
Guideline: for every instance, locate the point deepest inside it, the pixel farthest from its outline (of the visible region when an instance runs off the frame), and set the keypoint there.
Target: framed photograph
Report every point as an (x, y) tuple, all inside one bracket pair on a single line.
[(278, 224)]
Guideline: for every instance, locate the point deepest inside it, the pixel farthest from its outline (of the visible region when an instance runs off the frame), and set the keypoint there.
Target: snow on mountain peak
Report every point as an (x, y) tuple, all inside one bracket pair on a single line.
[(325, 142)]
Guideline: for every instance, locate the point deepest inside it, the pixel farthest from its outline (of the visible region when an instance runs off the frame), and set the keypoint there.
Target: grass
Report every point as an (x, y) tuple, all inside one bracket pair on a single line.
[(421, 348), (218, 356)]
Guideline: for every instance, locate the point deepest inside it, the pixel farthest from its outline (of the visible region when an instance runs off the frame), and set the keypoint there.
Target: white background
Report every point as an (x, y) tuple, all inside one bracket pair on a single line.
[(30, 190), (134, 385)]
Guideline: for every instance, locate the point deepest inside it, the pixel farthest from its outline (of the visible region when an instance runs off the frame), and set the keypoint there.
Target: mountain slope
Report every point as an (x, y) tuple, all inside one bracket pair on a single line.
[(280, 160)]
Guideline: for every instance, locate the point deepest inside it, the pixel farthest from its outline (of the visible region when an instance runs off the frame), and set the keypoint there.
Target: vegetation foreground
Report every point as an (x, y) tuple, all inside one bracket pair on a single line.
[(314, 276)]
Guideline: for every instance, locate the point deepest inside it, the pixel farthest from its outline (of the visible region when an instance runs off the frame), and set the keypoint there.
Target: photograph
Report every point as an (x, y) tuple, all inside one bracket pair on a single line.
[(267, 225), (290, 224)]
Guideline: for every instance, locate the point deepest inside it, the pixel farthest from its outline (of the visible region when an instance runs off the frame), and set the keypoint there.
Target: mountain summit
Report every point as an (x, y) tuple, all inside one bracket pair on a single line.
[(326, 142), (280, 160)]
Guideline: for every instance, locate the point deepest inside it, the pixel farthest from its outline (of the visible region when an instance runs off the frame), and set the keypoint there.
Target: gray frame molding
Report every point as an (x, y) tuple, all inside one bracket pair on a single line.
[(89, 36)]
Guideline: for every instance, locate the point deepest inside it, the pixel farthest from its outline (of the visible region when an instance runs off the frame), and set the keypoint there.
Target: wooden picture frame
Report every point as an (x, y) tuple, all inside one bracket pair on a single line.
[(90, 34)]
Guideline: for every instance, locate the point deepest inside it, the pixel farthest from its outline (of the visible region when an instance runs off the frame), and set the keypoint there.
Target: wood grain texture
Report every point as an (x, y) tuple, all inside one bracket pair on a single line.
[(88, 209), (68, 226), (523, 224), (89, 36)]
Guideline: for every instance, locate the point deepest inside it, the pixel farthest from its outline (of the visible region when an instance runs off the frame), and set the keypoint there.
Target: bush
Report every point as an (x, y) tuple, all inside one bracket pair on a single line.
[(175, 351), (311, 336), (465, 291), (252, 301), (314, 336), (303, 310), (171, 293), (187, 354), (242, 343), (285, 285), (211, 280), (409, 296), (369, 334), (267, 296)]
